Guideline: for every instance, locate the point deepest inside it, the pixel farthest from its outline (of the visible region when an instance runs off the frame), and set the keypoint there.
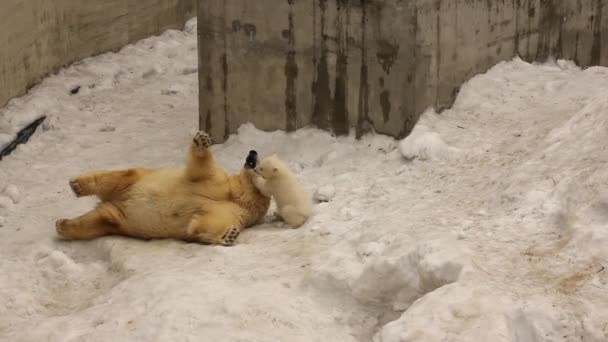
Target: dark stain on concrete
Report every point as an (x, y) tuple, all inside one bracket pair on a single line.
[(387, 54), (524, 18), (250, 30), (516, 6), (385, 103), (339, 117), (579, 10), (596, 47), (549, 29), (224, 63), (531, 8), (236, 25), (404, 109), (208, 121), (26, 63), (363, 121), (437, 52), (320, 87), (209, 84), (523, 27), (314, 59), (291, 75), (557, 50)]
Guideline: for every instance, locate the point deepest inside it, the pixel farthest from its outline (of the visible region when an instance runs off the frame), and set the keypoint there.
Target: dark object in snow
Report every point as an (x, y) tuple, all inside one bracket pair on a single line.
[(252, 160), (75, 90), (107, 129), (22, 137)]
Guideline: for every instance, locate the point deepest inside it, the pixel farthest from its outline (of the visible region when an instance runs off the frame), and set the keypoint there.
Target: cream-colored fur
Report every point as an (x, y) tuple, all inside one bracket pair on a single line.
[(199, 202), (293, 202)]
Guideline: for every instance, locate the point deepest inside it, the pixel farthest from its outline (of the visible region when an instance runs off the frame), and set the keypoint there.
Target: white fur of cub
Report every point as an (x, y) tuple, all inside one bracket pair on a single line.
[(293, 202)]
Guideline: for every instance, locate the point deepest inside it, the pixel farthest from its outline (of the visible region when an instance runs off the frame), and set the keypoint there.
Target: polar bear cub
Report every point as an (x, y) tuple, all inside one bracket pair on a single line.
[(276, 180)]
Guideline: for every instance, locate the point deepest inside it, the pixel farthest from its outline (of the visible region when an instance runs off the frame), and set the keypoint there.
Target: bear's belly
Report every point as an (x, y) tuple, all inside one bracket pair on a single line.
[(160, 205)]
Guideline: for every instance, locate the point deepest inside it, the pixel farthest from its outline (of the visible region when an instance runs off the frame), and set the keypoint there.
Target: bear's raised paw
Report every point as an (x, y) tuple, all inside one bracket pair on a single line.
[(202, 140)]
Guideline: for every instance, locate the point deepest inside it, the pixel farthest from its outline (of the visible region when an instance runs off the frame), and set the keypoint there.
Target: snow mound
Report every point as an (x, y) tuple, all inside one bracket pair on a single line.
[(325, 193), (12, 191), (426, 146), (425, 142), (401, 279), (6, 203), (469, 312), (566, 186), (395, 276)]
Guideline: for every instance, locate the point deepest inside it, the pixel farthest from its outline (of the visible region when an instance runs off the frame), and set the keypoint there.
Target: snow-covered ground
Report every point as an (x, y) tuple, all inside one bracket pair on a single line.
[(489, 223)]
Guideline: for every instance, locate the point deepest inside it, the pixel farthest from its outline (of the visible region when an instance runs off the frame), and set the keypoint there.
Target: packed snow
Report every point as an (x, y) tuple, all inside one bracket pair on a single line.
[(488, 223)]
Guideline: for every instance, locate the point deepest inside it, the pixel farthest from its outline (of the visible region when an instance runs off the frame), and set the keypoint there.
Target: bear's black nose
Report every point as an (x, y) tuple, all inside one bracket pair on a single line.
[(251, 160)]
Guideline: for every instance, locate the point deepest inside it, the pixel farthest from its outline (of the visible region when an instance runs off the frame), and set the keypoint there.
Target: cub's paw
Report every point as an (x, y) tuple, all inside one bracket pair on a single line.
[(229, 237), (202, 140)]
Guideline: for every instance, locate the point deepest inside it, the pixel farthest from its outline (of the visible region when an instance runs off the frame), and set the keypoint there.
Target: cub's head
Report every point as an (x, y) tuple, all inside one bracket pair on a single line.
[(270, 167)]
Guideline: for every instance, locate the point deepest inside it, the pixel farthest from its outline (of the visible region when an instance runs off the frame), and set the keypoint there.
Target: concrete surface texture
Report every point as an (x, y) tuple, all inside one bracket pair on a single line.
[(37, 37), (372, 64)]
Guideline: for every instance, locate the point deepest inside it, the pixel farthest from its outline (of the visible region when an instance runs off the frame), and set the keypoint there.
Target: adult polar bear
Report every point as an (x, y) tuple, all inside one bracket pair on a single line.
[(198, 203)]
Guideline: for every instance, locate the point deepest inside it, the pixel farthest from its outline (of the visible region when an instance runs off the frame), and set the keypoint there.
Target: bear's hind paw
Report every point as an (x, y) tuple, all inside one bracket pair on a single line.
[(76, 188), (229, 237)]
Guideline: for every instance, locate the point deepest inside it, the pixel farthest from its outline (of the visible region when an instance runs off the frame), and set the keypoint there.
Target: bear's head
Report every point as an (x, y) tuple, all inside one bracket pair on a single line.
[(269, 167)]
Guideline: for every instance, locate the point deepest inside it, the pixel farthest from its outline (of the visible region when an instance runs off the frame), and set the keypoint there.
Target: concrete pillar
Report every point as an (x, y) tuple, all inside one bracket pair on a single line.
[(212, 70)]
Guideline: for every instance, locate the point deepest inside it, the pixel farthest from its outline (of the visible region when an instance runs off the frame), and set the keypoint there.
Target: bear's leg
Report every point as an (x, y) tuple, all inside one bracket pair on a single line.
[(218, 226), (107, 185), (200, 164), (292, 216), (103, 220)]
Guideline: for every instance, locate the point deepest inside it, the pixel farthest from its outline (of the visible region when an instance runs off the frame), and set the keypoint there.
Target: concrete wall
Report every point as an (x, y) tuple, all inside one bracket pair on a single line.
[(283, 64), (37, 37)]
